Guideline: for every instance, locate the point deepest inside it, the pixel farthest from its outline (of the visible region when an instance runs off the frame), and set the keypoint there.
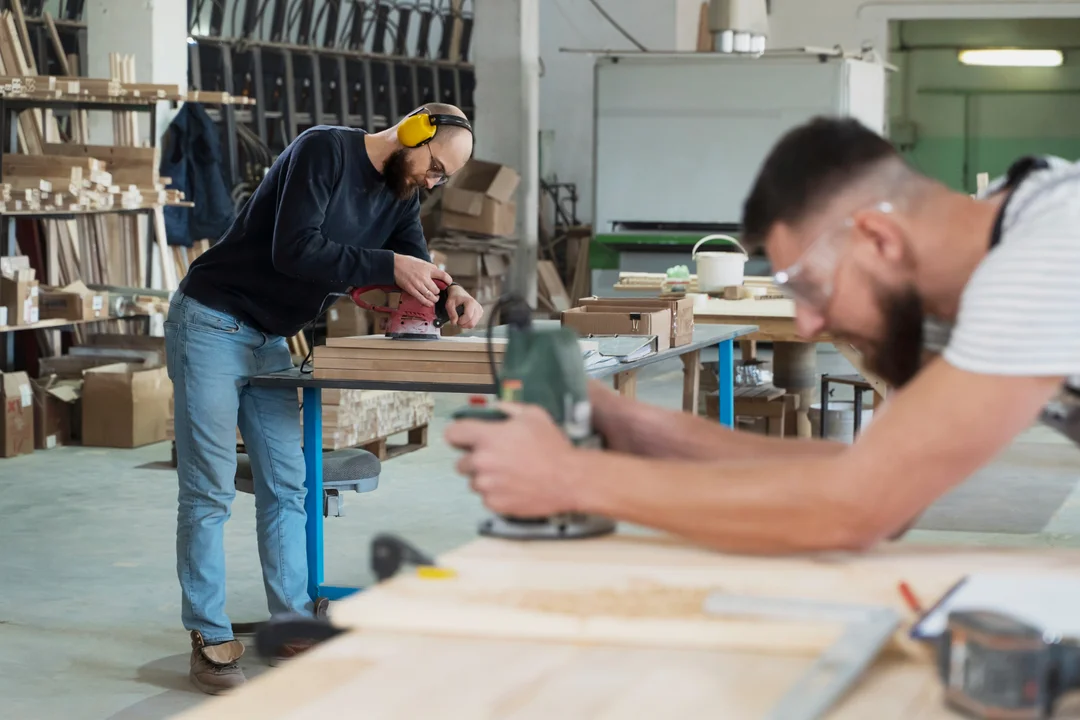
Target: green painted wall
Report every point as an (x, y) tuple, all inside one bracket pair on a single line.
[(954, 121)]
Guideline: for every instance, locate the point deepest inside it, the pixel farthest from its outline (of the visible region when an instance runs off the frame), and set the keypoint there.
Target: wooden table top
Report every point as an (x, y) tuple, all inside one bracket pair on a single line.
[(610, 628)]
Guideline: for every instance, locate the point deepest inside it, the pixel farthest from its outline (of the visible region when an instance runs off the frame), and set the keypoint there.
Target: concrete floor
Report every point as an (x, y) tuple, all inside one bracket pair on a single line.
[(89, 604)]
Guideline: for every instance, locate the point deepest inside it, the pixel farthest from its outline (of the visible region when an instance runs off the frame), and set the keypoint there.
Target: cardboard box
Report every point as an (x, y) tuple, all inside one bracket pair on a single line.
[(682, 311), (125, 405), (495, 218), (599, 320), (17, 424), (55, 404), (347, 319), (465, 264), (73, 302), (19, 294), (477, 185)]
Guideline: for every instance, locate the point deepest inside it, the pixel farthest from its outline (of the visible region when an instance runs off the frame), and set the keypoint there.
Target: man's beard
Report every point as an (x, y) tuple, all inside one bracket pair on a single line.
[(897, 357), (396, 175)]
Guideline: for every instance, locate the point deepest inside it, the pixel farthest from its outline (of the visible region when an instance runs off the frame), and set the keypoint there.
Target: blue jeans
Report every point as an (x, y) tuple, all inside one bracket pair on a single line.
[(211, 358)]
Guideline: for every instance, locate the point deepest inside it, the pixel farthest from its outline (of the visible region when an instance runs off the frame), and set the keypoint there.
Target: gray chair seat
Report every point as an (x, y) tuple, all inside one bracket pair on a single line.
[(349, 469)]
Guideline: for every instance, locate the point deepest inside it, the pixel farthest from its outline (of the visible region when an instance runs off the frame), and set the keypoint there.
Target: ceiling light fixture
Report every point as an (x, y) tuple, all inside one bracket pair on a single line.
[(1012, 57)]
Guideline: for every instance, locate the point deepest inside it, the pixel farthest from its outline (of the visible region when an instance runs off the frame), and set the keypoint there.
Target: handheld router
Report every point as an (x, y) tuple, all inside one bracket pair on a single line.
[(541, 366)]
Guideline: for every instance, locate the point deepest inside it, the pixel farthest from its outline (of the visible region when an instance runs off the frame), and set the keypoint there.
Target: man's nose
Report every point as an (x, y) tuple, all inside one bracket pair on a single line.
[(431, 183), (808, 323)]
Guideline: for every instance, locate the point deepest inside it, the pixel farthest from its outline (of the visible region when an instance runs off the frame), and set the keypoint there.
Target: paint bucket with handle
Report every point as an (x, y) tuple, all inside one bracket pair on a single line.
[(718, 270)]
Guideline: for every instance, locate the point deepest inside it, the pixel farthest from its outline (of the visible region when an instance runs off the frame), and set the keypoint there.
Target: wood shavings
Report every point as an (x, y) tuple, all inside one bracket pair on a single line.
[(640, 600)]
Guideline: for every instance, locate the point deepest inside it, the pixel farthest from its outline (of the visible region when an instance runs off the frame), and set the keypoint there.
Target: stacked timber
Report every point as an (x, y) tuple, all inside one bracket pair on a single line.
[(352, 418), (379, 358)]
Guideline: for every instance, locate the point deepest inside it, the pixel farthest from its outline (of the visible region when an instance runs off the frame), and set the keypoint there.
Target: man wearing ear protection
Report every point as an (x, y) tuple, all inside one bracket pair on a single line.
[(338, 209), (873, 252)]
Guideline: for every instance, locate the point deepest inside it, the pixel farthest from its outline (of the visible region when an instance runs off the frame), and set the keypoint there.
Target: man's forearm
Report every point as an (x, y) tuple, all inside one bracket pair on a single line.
[(759, 507), (655, 432)]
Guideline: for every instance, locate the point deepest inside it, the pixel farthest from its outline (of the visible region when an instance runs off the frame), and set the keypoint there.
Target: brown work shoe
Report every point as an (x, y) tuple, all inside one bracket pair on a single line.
[(213, 667), (287, 652)]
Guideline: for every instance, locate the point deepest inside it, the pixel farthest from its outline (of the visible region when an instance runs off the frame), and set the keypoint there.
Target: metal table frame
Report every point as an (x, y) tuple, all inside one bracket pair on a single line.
[(719, 336)]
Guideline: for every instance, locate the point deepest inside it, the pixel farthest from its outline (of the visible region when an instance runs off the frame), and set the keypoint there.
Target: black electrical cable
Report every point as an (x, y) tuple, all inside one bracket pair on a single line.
[(599, 8)]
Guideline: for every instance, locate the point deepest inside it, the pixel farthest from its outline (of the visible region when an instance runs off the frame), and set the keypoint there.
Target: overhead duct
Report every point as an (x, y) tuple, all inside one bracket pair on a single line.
[(740, 26)]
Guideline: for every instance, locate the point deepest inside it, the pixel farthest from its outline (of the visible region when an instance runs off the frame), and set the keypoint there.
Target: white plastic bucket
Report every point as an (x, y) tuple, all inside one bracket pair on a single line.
[(841, 421), (718, 270)]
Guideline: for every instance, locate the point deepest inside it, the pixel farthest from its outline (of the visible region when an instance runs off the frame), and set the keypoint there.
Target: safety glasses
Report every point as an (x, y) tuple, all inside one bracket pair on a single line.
[(435, 170), (810, 279)]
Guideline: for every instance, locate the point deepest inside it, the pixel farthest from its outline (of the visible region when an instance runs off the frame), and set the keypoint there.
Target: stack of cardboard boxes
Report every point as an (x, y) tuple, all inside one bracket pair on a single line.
[(112, 392), (478, 201), (23, 302), (18, 292), (671, 321)]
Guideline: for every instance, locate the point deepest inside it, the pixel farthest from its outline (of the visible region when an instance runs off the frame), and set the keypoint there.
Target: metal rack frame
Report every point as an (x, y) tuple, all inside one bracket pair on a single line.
[(330, 67)]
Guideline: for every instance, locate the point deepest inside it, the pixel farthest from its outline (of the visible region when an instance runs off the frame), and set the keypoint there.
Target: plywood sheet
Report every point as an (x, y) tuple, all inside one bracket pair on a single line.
[(644, 591)]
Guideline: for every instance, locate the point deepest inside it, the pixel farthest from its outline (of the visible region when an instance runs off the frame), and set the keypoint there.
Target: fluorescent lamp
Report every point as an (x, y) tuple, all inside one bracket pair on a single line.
[(1012, 57)]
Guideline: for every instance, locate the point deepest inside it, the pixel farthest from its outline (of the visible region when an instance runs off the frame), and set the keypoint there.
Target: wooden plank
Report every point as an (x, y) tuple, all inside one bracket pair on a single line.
[(403, 377), (416, 366), (456, 357), (445, 344), (58, 47), (552, 285), (691, 381), (626, 383), (168, 269)]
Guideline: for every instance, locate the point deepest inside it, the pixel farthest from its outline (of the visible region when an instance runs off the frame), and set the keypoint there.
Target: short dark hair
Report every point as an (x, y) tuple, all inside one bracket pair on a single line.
[(808, 165)]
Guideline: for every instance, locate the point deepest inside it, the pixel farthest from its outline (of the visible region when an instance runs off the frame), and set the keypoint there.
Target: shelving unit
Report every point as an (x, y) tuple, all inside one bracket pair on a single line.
[(352, 63)]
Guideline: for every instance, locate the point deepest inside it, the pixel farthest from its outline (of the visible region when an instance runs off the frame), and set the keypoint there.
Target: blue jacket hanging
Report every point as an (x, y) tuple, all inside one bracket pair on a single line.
[(190, 156)]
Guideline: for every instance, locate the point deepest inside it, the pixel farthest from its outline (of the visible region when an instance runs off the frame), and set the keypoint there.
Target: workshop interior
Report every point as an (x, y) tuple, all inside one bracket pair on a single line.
[(598, 225)]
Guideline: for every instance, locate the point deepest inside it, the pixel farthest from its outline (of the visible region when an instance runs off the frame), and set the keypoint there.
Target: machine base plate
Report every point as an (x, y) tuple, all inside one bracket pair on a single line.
[(572, 526)]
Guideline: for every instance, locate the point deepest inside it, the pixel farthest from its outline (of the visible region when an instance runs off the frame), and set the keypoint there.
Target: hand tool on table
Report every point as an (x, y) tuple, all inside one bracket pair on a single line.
[(866, 630), (411, 319), (389, 553), (996, 667), (541, 366)]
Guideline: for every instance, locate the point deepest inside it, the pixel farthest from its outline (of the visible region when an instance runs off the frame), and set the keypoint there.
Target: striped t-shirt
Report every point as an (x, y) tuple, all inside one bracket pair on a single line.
[(1019, 313)]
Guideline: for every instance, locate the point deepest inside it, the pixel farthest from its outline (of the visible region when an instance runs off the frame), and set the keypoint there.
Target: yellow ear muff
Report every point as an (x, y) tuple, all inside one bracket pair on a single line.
[(416, 130)]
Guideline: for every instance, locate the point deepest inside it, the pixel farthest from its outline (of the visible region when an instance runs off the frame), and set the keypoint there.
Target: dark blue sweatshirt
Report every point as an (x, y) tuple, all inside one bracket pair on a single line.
[(321, 221)]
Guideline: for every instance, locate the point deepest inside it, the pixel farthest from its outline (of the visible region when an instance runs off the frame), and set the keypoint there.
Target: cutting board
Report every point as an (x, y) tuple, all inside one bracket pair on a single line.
[(648, 591)]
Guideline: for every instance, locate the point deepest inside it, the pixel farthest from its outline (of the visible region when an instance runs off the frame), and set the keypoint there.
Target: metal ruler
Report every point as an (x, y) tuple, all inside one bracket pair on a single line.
[(867, 629)]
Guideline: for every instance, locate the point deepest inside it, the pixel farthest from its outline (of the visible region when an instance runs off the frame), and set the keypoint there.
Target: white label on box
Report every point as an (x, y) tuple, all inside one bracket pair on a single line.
[(98, 303), (3, 316), (50, 442), (28, 305), (25, 395), (33, 291), (333, 315), (35, 314)]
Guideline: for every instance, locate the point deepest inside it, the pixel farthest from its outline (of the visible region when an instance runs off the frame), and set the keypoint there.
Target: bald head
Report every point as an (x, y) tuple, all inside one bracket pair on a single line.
[(453, 144)]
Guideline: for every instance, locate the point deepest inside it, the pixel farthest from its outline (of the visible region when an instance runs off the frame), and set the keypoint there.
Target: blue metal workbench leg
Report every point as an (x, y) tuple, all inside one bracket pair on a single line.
[(313, 501), (726, 376)]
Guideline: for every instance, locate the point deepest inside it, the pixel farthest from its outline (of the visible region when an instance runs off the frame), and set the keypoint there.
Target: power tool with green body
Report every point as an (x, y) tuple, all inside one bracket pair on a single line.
[(542, 366)]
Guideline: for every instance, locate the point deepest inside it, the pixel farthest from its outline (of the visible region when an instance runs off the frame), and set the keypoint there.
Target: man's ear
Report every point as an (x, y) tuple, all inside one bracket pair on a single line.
[(883, 233)]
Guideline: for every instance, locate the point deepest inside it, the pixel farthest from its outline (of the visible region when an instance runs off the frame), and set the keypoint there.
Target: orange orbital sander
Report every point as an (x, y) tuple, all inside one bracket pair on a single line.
[(411, 319)]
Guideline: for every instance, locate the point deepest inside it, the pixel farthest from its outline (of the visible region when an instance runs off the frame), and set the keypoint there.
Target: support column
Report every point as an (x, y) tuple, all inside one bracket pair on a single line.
[(155, 33), (506, 55)]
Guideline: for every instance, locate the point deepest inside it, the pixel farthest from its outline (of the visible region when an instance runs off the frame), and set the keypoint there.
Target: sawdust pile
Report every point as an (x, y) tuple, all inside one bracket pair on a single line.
[(640, 601)]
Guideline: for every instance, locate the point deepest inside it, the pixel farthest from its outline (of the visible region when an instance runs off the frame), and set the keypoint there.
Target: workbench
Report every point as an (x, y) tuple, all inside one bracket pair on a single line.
[(474, 645), (713, 336), (794, 356)]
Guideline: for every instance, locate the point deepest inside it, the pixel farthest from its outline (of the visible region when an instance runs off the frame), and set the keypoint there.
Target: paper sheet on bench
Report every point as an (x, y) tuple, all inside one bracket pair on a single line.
[(1048, 602)]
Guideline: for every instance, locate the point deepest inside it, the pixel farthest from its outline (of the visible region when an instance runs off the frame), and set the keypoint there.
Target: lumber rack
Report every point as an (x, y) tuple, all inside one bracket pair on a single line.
[(10, 108)]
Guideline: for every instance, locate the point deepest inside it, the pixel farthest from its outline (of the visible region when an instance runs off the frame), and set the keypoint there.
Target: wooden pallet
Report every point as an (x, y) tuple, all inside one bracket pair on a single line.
[(382, 448)]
